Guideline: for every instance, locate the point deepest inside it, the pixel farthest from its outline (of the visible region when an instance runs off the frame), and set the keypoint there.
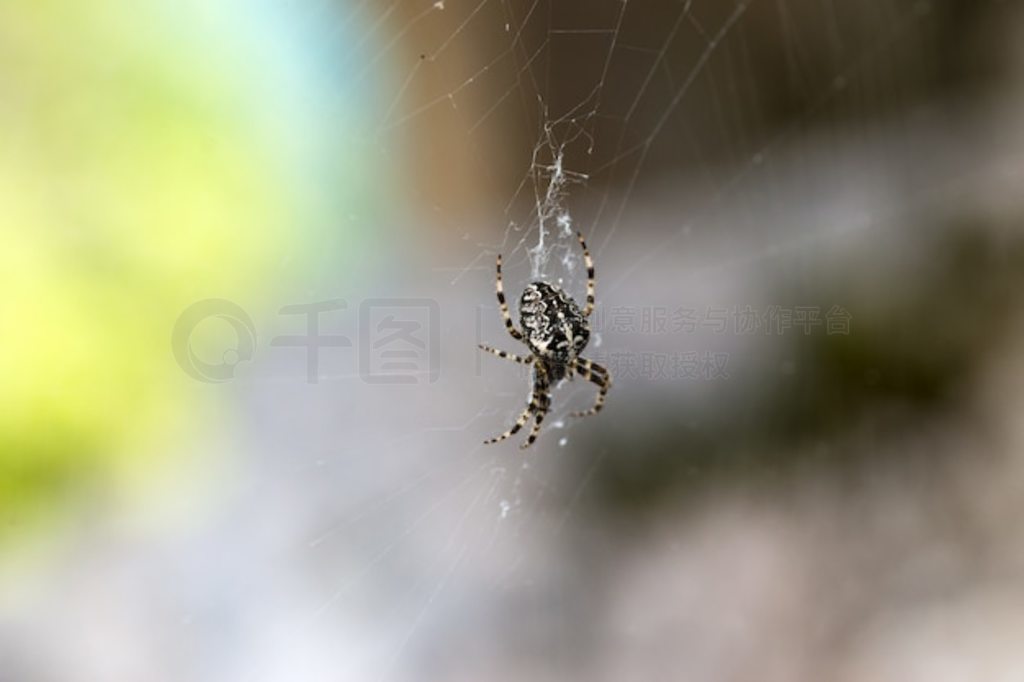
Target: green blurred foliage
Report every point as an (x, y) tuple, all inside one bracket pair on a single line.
[(142, 167)]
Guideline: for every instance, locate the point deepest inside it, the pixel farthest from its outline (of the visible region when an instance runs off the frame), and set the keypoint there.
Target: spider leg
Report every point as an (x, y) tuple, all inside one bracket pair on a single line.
[(589, 262), (540, 389), (520, 422), (538, 397), (500, 288), (593, 372), (508, 356)]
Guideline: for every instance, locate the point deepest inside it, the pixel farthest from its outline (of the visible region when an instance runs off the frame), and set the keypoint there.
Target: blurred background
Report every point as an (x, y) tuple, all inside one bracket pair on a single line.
[(248, 256)]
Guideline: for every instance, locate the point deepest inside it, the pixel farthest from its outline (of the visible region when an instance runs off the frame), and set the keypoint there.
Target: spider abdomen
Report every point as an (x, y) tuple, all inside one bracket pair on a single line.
[(553, 325)]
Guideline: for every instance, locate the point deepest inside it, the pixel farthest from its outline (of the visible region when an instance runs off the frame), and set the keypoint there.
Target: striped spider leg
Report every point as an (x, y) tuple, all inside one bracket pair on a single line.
[(540, 403), (595, 373), (500, 289), (528, 360), (589, 262)]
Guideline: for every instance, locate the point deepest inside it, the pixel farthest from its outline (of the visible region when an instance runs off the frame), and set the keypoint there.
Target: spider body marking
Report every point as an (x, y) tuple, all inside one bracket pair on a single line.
[(554, 327), (556, 331)]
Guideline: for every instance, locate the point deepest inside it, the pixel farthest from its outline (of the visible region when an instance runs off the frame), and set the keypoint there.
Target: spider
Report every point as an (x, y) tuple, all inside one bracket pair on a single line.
[(556, 332)]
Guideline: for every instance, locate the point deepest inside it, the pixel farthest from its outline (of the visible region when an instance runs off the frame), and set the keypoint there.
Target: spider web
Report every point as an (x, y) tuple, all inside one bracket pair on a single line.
[(581, 145), (370, 534), (557, 114), (373, 534)]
